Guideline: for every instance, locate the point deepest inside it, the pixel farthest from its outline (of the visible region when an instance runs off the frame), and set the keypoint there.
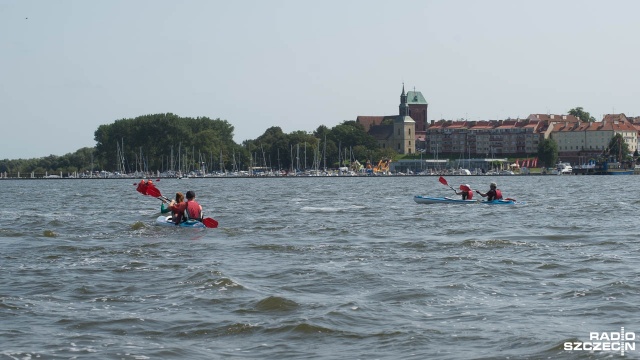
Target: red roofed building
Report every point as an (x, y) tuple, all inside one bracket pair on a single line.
[(395, 132), (580, 141), (553, 118), (368, 121), (484, 138)]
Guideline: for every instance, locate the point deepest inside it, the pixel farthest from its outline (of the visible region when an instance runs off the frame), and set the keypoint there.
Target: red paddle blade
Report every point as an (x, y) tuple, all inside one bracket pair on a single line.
[(210, 223), (443, 181), (465, 188), (153, 191)]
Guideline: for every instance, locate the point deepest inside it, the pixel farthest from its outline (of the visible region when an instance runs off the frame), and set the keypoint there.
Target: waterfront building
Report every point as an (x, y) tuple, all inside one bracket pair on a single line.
[(576, 140), (590, 140), (397, 132), (410, 132), (487, 138)]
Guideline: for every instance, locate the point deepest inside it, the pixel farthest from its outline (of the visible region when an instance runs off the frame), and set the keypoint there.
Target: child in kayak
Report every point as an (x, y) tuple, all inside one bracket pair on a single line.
[(466, 192)]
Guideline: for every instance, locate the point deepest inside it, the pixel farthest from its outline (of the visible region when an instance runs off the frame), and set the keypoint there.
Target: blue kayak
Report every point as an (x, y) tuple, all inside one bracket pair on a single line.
[(441, 200), (500, 202), (446, 200), (167, 221)]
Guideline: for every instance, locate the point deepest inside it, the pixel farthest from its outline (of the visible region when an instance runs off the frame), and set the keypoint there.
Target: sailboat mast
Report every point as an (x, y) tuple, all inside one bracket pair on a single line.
[(298, 157), (324, 151), (221, 163)]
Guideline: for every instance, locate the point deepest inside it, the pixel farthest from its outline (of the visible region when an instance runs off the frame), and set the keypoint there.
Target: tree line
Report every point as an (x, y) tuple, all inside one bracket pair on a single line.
[(78, 161), (167, 142)]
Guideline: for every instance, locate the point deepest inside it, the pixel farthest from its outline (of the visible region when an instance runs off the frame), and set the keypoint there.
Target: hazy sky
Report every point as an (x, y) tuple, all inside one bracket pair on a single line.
[(69, 66)]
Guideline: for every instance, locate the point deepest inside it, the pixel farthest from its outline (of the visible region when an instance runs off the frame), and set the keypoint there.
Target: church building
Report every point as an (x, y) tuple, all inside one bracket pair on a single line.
[(398, 132)]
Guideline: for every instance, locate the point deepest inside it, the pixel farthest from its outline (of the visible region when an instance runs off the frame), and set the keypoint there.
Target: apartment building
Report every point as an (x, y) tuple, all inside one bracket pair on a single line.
[(517, 137)]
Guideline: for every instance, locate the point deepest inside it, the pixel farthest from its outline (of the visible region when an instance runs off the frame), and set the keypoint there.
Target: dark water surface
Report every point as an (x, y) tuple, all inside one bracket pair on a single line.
[(319, 268)]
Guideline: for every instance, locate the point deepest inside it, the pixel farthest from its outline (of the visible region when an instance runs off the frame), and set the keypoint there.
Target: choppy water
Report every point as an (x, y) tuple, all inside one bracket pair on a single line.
[(318, 268)]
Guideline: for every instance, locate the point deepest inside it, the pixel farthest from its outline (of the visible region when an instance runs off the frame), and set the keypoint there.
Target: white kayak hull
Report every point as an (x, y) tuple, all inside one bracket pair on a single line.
[(164, 220)]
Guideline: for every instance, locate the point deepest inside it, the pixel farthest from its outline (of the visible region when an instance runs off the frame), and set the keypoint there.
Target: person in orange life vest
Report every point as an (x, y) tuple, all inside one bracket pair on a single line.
[(175, 206), (149, 186), (493, 194), (466, 192), (142, 187)]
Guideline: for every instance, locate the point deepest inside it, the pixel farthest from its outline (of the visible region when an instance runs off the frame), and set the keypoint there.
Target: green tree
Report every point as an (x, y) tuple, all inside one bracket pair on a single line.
[(581, 114), (271, 148), (161, 141), (150, 142), (548, 152), (351, 133), (618, 148)]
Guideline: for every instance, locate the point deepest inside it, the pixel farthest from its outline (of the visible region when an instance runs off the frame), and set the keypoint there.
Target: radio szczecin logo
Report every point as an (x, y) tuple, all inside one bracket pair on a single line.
[(605, 341)]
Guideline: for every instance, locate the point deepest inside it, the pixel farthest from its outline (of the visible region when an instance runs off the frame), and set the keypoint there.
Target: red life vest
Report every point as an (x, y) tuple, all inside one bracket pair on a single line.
[(469, 195), (142, 187), (498, 194)]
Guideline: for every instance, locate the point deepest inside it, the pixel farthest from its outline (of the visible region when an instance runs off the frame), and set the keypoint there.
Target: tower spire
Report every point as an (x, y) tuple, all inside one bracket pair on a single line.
[(404, 107)]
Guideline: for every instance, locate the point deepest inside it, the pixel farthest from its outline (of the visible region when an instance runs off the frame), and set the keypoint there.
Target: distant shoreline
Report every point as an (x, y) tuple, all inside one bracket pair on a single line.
[(300, 177)]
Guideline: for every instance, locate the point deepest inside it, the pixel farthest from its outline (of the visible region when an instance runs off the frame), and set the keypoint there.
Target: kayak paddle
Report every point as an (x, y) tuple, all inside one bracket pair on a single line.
[(151, 190), (210, 223), (443, 181)]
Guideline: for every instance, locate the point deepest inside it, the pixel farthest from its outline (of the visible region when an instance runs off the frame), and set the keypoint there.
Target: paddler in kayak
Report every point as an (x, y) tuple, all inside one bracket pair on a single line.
[(176, 216), (493, 194), (189, 210), (466, 192), (144, 185)]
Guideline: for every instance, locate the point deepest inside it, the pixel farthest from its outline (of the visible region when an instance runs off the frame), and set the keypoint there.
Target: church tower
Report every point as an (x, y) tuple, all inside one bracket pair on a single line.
[(418, 107), (404, 128), (404, 107)]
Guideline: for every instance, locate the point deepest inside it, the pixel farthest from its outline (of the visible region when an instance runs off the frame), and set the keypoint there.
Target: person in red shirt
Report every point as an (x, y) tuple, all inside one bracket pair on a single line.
[(189, 210), (177, 207), (194, 210)]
